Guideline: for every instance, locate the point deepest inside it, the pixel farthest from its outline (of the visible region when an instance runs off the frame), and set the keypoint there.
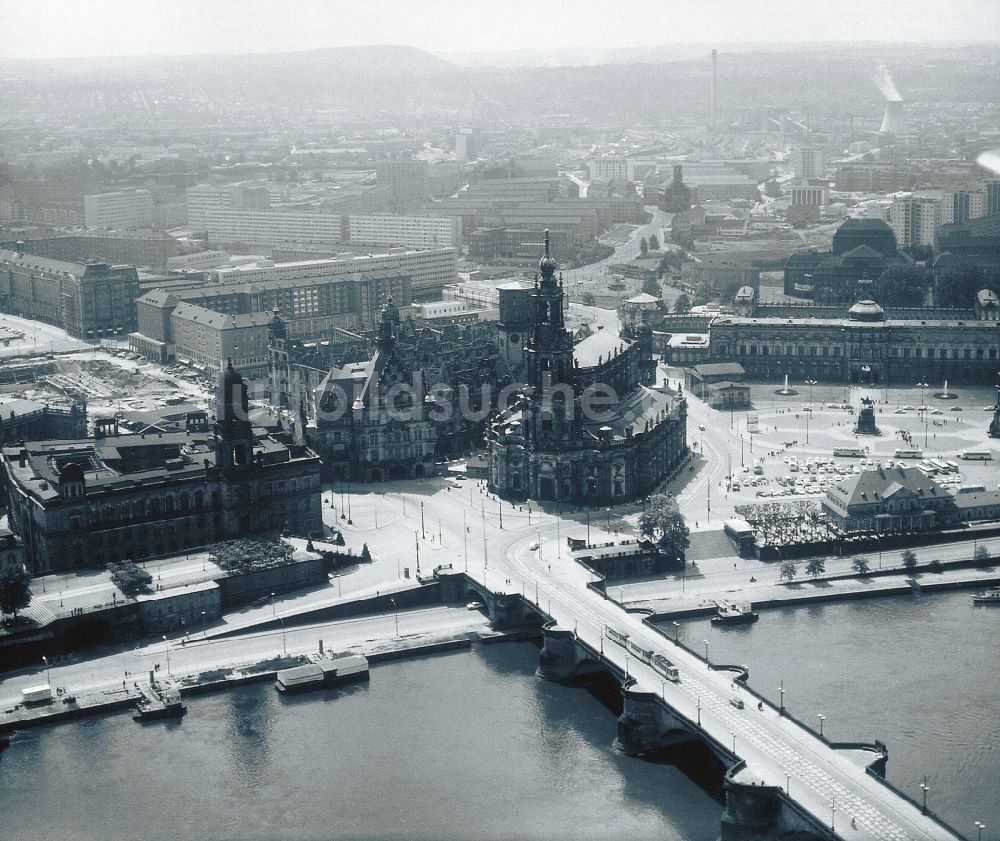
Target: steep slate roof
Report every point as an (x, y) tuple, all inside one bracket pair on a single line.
[(872, 486), (600, 345)]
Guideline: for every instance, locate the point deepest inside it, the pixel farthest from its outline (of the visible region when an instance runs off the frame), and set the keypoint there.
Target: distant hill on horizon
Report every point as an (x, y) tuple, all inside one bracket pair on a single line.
[(643, 84)]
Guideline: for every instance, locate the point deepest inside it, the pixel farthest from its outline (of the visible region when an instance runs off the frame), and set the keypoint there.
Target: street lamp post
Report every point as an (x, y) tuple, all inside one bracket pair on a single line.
[(699, 711), (781, 690), (274, 610), (48, 677), (707, 661), (922, 385), (925, 788), (980, 826), (822, 718), (677, 626), (284, 643), (166, 646), (810, 383), (204, 631), (395, 611)]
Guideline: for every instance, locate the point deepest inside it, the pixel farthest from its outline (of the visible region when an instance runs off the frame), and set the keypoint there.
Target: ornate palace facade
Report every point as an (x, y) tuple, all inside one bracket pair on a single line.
[(89, 501)]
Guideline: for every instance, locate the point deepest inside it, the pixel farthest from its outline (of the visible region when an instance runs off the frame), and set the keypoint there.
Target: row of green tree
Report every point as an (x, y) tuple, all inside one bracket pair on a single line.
[(907, 286)]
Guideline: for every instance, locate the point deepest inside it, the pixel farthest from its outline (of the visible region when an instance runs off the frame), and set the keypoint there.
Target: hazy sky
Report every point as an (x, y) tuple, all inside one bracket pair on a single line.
[(52, 28)]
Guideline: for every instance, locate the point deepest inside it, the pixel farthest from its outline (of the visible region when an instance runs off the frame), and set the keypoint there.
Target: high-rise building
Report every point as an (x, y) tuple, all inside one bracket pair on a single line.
[(125, 209), (270, 227), (408, 231), (406, 180), (992, 189), (609, 167), (809, 162), (467, 145), (914, 219)]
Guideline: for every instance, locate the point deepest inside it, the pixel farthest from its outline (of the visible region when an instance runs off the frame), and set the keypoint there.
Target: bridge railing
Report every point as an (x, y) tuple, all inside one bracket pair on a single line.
[(876, 746), (941, 822)]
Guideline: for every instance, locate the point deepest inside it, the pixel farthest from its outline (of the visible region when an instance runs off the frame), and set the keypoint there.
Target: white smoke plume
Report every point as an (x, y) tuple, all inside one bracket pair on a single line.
[(883, 81), (990, 159)]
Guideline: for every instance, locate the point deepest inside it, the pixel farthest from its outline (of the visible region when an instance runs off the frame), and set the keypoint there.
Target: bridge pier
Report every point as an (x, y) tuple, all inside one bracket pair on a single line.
[(560, 654), (758, 812), (646, 724), (752, 812)]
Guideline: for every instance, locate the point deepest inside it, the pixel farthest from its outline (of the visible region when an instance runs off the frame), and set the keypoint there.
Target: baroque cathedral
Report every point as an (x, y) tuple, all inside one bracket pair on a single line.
[(590, 426)]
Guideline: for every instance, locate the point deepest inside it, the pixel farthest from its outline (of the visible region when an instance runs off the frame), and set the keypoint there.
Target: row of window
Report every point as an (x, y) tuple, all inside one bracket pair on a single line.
[(868, 353)]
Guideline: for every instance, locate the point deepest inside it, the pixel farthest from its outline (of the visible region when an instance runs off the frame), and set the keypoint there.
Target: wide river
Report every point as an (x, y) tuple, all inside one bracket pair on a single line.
[(474, 746)]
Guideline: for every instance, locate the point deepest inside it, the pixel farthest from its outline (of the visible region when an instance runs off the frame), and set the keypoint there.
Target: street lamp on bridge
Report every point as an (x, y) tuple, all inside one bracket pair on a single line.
[(925, 788), (822, 718), (707, 661), (781, 689), (980, 826)]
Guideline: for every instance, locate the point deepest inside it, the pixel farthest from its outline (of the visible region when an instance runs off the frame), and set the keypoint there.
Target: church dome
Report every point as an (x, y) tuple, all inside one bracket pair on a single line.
[(866, 311)]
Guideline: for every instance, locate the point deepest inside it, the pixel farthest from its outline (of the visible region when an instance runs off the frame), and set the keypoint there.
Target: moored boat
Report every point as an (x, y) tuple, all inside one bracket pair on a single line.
[(731, 613), (155, 705), (321, 672), (987, 597)]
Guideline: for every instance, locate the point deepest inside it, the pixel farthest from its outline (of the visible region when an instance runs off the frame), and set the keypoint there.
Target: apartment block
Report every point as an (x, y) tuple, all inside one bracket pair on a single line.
[(125, 209)]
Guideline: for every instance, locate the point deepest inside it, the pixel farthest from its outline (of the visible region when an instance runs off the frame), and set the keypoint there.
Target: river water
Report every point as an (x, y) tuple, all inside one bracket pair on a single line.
[(919, 673), (461, 746), (473, 746)]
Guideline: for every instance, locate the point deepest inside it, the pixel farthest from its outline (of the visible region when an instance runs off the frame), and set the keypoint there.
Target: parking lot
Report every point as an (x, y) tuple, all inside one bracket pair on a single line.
[(791, 452)]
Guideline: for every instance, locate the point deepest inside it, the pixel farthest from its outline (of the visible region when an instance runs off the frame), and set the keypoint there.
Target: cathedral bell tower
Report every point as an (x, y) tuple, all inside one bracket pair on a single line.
[(385, 337), (233, 431), (549, 349), (549, 364)]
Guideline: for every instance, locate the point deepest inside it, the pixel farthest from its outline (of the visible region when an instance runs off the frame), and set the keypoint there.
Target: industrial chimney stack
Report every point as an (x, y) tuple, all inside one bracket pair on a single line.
[(715, 83)]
